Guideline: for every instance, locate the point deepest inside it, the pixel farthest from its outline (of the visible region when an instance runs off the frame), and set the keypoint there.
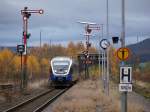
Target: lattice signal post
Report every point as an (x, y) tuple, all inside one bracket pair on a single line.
[(89, 27), (26, 13)]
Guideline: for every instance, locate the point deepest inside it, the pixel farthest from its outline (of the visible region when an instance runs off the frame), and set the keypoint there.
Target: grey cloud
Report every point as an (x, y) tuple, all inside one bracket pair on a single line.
[(59, 19)]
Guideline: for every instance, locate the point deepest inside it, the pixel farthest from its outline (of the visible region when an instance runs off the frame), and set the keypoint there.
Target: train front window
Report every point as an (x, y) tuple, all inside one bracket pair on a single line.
[(61, 67)]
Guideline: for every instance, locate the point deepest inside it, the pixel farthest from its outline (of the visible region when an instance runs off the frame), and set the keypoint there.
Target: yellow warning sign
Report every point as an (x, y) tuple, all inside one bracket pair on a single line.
[(123, 53)]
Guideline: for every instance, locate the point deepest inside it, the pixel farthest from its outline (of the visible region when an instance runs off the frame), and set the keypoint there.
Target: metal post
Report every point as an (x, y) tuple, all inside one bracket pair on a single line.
[(104, 61), (123, 94), (107, 71), (107, 60), (123, 24), (107, 24), (21, 61), (137, 38), (40, 54), (87, 56), (99, 60), (100, 56), (40, 39), (85, 68), (24, 77), (21, 85), (103, 67), (103, 76)]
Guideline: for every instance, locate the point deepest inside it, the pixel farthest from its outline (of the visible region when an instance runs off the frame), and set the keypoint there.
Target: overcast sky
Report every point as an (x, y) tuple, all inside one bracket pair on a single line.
[(59, 24)]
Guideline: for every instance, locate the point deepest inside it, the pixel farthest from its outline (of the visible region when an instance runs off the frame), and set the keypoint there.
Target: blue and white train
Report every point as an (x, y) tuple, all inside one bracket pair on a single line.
[(61, 73)]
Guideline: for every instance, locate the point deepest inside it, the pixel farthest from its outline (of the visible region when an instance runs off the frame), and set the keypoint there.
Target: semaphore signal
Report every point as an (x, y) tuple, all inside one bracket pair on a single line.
[(26, 13)]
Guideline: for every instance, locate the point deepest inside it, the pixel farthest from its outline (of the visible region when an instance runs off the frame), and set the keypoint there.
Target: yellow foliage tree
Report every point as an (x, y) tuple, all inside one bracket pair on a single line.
[(15, 69), (17, 63), (114, 63), (71, 50), (80, 47), (92, 50), (44, 67), (33, 67), (6, 66)]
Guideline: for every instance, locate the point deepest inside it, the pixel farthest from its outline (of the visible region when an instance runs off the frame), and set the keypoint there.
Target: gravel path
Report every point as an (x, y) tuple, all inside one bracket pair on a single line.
[(134, 97), (82, 96)]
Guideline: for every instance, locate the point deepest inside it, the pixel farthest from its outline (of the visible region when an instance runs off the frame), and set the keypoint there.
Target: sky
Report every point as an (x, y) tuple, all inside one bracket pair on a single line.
[(58, 24)]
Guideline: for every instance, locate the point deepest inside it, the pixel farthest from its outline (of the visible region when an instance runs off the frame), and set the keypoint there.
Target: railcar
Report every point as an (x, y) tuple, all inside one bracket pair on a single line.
[(61, 71)]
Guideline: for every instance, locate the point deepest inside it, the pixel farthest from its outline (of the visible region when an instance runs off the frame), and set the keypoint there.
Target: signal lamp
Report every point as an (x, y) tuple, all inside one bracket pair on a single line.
[(115, 40), (28, 35)]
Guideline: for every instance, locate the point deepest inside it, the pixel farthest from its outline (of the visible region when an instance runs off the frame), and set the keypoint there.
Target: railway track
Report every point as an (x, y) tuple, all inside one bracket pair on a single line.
[(37, 103)]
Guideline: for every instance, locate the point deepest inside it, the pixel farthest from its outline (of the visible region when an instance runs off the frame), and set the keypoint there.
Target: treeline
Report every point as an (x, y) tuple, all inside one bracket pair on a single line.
[(71, 50), (38, 61), (10, 67)]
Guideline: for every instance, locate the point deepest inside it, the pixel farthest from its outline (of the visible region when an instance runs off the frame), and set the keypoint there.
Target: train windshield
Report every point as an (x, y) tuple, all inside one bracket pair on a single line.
[(61, 67)]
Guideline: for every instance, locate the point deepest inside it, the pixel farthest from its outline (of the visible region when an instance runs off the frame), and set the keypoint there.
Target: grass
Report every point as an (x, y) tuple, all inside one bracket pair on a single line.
[(88, 96), (142, 88), (37, 84), (142, 91)]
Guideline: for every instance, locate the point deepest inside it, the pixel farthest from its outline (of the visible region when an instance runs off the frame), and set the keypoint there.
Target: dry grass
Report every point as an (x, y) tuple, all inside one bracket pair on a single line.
[(37, 84), (88, 96)]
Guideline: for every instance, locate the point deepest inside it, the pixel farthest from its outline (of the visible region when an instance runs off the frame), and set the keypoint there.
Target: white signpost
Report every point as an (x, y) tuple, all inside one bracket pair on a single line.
[(125, 79)]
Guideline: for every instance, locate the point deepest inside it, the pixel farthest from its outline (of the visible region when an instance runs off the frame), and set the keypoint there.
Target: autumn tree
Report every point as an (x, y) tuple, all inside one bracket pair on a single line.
[(71, 50), (16, 68), (114, 63), (33, 67), (93, 50), (80, 47), (6, 66), (145, 75), (44, 66)]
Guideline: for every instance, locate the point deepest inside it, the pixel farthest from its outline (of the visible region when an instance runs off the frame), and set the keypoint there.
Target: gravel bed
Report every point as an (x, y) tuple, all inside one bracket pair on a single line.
[(18, 98)]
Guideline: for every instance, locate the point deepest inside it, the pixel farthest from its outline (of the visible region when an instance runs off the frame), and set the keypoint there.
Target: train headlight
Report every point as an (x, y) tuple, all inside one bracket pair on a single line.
[(66, 71)]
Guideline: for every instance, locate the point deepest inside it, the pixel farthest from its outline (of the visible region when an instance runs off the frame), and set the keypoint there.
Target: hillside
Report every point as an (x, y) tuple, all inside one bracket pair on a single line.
[(12, 48), (141, 50)]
